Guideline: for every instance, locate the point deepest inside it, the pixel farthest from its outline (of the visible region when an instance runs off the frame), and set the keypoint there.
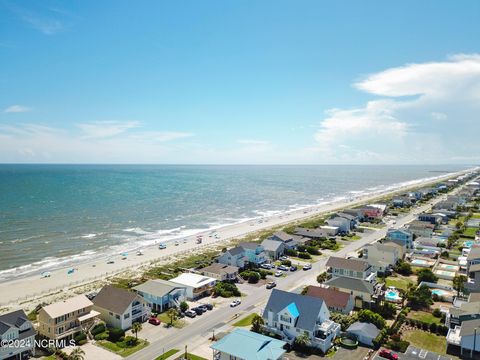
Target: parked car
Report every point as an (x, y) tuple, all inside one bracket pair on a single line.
[(198, 310), (177, 243), (279, 273), (283, 258), (207, 306), (283, 268), (266, 266), (307, 267), (154, 321), (190, 313), (162, 246), (271, 285), (388, 354), (293, 268), (235, 302)]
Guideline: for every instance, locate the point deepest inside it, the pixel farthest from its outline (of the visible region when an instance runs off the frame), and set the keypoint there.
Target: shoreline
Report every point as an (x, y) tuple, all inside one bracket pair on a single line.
[(33, 287)]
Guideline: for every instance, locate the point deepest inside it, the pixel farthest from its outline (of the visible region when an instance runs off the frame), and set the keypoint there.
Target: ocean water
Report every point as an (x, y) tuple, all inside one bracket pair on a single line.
[(52, 215)]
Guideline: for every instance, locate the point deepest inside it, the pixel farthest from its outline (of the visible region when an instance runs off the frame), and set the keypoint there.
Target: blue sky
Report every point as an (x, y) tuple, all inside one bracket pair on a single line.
[(239, 81)]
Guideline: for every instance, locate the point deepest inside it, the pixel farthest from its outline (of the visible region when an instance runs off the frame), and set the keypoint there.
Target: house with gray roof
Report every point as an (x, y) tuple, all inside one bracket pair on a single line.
[(120, 308), (244, 253), (161, 295), (15, 327), (363, 332), (364, 292), (290, 315), (466, 337), (274, 249), (221, 272), (382, 257), (289, 241), (354, 268)]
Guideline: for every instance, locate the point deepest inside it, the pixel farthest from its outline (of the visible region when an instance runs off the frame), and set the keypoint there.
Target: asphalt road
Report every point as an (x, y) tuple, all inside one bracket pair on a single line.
[(256, 299)]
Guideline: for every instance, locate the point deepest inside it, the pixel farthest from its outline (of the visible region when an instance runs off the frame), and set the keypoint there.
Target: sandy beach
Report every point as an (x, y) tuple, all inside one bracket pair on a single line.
[(29, 291)]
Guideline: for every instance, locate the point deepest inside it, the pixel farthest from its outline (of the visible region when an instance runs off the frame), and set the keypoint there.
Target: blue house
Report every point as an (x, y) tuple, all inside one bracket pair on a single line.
[(242, 254), (161, 295), (401, 235), (242, 344)]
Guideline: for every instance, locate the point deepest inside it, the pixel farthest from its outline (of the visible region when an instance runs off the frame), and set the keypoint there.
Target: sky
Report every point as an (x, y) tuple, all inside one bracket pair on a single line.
[(240, 82)]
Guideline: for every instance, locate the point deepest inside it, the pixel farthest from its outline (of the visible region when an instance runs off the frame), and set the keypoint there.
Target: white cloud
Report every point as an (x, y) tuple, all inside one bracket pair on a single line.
[(162, 136), (104, 129), (405, 122), (17, 109)]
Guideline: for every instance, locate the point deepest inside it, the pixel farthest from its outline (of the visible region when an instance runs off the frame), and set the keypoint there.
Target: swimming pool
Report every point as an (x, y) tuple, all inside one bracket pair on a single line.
[(439, 292), (468, 243), (419, 262), (392, 295)]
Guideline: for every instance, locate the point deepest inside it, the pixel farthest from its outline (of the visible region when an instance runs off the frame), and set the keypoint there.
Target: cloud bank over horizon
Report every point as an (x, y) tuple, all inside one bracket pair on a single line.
[(418, 113)]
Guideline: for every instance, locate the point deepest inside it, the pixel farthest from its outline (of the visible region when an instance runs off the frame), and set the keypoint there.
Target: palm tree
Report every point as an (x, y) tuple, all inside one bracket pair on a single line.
[(302, 340), (76, 354), (257, 323), (172, 314), (136, 327)]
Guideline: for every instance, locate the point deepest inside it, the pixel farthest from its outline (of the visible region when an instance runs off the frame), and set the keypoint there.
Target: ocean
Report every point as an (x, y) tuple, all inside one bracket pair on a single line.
[(54, 215)]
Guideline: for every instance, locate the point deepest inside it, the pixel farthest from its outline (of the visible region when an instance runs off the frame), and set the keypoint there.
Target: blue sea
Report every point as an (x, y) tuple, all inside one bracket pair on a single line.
[(52, 215)]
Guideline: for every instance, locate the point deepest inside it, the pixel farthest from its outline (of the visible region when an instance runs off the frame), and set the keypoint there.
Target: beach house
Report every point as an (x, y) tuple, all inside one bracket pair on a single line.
[(421, 228), (343, 224), (374, 211), (290, 315), (363, 332), (61, 320), (353, 268), (364, 293), (382, 257), (473, 270), (196, 285), (252, 346), (274, 249), (466, 337), (161, 295), (17, 329), (120, 308), (221, 272), (244, 253), (434, 219), (289, 241), (402, 236), (336, 300)]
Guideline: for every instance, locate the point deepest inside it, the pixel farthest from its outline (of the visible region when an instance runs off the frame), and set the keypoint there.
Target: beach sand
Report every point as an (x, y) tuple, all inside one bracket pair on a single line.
[(29, 291)]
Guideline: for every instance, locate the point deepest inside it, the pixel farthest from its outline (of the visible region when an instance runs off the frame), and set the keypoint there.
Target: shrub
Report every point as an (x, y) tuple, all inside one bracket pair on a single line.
[(304, 256), (291, 252), (313, 250), (433, 327), (115, 334), (301, 248), (371, 317), (400, 345), (426, 275), (97, 329), (403, 268), (79, 336), (286, 262), (226, 290), (378, 341), (183, 306), (437, 313), (101, 336)]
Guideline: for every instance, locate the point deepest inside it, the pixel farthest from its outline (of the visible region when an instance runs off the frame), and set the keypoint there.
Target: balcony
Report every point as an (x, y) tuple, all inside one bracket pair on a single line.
[(454, 337)]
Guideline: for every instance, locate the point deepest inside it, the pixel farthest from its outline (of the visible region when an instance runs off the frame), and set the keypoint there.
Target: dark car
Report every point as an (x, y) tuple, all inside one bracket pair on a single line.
[(198, 310), (293, 268), (207, 306)]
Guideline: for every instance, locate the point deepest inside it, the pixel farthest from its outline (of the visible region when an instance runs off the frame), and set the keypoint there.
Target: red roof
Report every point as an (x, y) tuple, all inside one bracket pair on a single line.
[(333, 298)]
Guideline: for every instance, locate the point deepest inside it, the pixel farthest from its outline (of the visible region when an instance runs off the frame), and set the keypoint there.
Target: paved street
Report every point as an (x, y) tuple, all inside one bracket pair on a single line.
[(200, 330), (414, 353)]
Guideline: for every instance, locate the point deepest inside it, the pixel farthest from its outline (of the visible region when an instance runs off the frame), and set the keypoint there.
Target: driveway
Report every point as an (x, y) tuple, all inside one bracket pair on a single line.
[(414, 353), (95, 352), (342, 354)]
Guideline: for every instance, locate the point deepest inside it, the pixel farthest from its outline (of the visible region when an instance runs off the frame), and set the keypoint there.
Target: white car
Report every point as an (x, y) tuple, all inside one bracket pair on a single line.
[(266, 266), (307, 267), (279, 273), (235, 302)]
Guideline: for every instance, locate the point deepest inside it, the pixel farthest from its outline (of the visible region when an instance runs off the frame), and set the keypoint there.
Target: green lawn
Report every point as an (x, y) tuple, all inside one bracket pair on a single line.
[(476, 216), (426, 340), (470, 232), (179, 323), (424, 316), (192, 357), (246, 321), (167, 354), (398, 282), (122, 351)]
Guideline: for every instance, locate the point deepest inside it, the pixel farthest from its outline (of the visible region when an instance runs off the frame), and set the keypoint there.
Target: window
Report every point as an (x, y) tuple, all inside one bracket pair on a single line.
[(126, 316), (117, 317), (285, 319)]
